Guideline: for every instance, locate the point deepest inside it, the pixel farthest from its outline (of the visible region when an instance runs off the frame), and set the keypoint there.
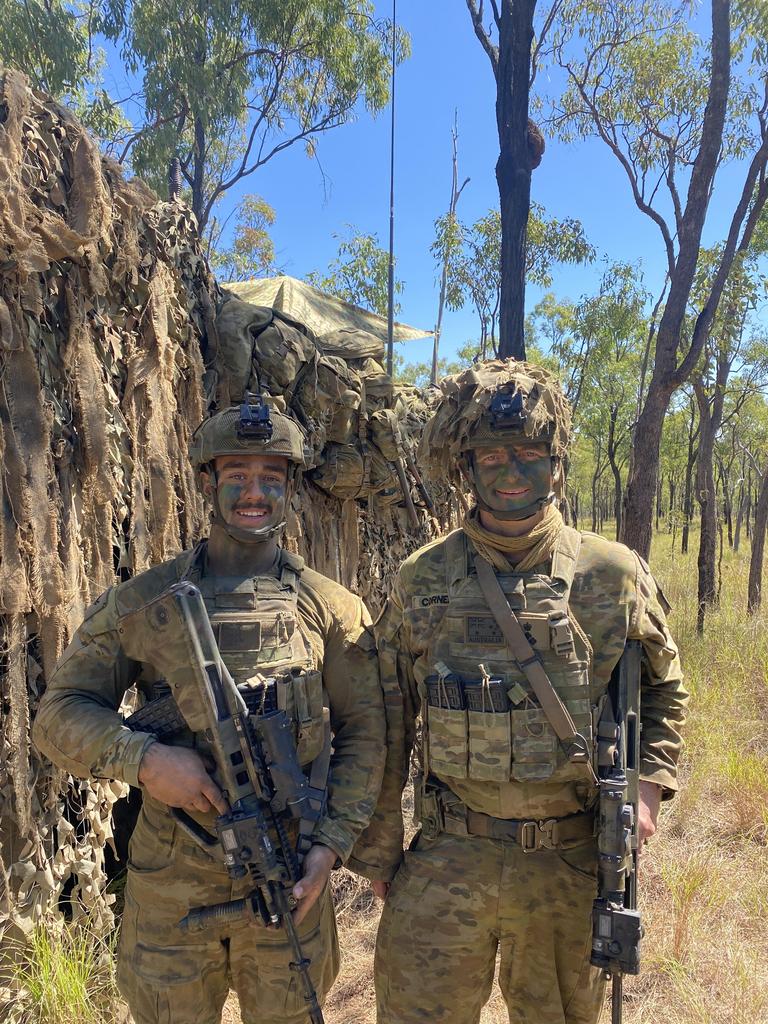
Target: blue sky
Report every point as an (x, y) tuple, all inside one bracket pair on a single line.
[(448, 71)]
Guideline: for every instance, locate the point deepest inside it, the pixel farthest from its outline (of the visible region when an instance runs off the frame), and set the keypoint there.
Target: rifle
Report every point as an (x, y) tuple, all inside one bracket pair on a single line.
[(616, 926), (257, 767)]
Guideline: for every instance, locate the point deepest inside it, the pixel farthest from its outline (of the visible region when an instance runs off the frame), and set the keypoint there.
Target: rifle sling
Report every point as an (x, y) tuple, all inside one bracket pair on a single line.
[(557, 713), (318, 780)]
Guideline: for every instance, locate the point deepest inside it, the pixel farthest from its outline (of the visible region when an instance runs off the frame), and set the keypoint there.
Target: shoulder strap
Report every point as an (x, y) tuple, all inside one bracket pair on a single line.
[(565, 556), (557, 713), (291, 567), (189, 564), (455, 558)]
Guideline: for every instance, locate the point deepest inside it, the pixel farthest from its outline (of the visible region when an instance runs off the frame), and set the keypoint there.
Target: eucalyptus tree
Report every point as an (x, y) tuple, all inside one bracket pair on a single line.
[(223, 85), (56, 44), (359, 273), (472, 256), (505, 30), (671, 108), (228, 85)]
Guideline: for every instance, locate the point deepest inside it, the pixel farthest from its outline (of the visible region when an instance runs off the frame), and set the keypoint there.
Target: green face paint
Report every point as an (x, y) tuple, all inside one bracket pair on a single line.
[(252, 490), (511, 478)]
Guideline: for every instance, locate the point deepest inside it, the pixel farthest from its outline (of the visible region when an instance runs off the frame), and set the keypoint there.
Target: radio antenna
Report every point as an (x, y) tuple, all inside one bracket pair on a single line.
[(391, 275)]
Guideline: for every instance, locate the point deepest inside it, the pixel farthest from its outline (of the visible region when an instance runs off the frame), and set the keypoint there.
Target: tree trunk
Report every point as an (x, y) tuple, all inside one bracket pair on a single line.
[(513, 169), (727, 501), (667, 374), (595, 478), (640, 493), (758, 545), (455, 194), (740, 513), (710, 418), (198, 176), (705, 494), (617, 489), (688, 492), (659, 511)]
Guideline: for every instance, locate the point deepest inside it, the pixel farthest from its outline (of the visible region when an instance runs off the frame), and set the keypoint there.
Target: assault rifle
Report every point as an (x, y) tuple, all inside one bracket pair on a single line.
[(258, 769), (616, 925)]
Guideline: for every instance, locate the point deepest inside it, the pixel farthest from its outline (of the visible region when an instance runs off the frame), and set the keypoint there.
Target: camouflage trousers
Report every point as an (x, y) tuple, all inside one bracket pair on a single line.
[(458, 901), (171, 977)]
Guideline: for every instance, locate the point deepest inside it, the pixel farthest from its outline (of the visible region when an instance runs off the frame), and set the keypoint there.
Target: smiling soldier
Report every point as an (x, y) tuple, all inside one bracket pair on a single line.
[(291, 639), (505, 861)]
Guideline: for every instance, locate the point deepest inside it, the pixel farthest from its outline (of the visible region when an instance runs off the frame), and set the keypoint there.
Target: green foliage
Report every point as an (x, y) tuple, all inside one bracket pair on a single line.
[(472, 254), (54, 44), (227, 86), (638, 76), (252, 253), (223, 86), (359, 274), (63, 977)]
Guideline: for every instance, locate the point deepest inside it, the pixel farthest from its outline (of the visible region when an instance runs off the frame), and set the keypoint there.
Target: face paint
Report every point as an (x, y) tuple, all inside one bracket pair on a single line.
[(252, 490), (511, 478)]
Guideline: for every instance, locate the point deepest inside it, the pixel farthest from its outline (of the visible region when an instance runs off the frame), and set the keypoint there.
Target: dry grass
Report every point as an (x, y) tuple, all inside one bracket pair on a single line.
[(704, 880)]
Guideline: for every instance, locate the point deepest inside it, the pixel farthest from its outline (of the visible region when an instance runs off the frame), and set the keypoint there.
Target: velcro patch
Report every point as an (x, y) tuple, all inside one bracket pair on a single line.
[(239, 636), (483, 629), (429, 600)]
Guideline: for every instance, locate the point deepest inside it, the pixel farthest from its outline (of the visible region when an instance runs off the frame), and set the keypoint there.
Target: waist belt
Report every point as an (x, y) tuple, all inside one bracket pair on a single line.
[(546, 834)]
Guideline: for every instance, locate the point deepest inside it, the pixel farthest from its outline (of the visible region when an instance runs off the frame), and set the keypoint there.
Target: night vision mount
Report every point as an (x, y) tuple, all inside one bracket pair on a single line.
[(507, 411), (255, 422)]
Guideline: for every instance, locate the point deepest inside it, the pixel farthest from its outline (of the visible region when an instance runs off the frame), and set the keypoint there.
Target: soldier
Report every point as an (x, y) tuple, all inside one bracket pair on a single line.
[(506, 858), (272, 617)]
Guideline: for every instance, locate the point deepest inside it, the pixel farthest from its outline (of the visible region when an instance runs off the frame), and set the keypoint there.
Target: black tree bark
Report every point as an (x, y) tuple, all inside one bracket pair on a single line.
[(511, 63), (755, 586)]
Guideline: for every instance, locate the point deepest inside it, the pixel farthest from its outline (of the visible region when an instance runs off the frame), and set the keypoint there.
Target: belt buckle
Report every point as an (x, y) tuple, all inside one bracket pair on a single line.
[(529, 835), (538, 835)]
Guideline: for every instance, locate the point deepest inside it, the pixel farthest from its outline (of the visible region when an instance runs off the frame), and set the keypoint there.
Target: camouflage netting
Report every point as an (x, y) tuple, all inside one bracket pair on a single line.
[(363, 506), (104, 303), (110, 354), (466, 397)]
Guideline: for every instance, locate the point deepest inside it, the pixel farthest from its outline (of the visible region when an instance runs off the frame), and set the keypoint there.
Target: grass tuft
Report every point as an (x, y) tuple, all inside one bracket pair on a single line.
[(62, 976)]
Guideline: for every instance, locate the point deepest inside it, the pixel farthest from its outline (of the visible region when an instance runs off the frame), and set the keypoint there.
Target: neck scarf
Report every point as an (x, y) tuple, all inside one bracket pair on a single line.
[(536, 546)]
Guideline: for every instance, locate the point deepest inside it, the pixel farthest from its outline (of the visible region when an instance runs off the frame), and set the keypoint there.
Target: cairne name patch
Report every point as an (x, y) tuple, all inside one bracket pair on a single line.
[(430, 600)]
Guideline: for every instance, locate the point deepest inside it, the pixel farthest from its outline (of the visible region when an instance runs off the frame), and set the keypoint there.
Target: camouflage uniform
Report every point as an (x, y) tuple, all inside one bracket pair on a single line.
[(467, 889), (314, 636)]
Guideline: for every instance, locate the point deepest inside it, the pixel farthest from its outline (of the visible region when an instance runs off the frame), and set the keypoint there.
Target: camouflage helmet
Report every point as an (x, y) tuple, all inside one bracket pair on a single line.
[(252, 428), (496, 402)]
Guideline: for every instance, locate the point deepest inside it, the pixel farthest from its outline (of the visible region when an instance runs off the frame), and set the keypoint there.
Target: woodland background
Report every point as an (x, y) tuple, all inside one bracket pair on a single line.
[(665, 363)]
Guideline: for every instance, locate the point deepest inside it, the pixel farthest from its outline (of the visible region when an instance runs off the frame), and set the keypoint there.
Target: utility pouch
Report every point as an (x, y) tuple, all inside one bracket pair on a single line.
[(446, 724), (486, 695), (427, 810), (534, 746), (300, 694), (490, 746), (445, 692)]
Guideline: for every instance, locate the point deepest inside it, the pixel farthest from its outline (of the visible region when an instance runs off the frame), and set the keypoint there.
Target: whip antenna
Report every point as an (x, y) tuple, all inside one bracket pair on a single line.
[(391, 275)]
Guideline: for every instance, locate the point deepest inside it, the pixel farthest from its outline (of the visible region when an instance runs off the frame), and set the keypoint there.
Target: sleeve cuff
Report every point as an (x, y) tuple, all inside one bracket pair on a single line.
[(372, 872), (660, 776), (335, 836), (132, 753)]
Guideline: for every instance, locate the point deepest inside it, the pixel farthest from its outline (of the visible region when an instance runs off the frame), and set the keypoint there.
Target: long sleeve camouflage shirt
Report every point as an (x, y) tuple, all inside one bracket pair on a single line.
[(613, 598), (79, 728)]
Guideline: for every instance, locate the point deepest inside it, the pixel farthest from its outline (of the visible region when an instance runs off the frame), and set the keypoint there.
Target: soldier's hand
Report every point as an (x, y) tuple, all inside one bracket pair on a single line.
[(317, 870), (381, 889), (648, 811), (177, 776)]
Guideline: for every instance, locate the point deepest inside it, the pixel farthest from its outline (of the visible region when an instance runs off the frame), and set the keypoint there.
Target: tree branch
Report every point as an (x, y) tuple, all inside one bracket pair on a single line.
[(476, 14)]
